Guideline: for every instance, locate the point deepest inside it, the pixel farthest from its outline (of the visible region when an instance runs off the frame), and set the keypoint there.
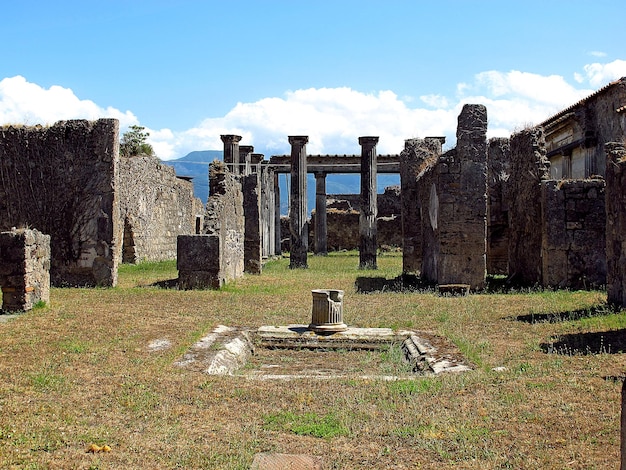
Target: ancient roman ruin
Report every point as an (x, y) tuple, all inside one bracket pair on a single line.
[(542, 207)]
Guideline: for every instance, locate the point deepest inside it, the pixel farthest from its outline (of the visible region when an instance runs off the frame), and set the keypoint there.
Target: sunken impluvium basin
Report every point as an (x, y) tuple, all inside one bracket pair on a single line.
[(326, 348)]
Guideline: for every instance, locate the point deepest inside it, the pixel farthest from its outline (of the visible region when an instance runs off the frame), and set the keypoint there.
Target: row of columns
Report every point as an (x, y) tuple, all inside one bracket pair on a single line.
[(368, 242), (241, 160)]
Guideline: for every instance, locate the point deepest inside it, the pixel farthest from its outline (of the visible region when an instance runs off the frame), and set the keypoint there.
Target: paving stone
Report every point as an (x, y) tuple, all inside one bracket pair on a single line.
[(269, 461)]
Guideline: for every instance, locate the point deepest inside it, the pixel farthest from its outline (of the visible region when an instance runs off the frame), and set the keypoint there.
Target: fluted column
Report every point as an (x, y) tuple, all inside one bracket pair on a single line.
[(321, 227), (231, 152), (298, 211), (367, 221)]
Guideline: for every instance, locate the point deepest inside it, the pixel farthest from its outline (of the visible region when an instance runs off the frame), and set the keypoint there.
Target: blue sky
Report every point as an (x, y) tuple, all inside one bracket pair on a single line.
[(334, 70)]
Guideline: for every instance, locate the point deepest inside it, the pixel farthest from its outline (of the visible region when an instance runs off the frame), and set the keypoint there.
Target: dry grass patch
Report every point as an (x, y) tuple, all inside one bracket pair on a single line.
[(81, 371)]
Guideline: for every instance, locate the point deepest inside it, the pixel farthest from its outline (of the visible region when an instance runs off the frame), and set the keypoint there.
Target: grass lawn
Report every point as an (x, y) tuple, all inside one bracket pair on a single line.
[(80, 371)]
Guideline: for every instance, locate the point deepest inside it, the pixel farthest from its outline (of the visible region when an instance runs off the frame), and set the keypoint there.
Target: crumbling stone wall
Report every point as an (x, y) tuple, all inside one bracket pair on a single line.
[(498, 175), (451, 211), (342, 220), (616, 222), (216, 256), (24, 269), (417, 157), (529, 167), (573, 235), (155, 207), (61, 181)]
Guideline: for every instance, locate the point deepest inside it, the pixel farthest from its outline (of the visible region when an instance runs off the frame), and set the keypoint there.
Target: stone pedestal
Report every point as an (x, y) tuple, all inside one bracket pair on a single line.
[(327, 311), (24, 269)]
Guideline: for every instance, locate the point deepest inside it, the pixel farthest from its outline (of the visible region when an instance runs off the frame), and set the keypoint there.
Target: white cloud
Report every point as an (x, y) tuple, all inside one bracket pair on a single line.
[(22, 102), (599, 75), (333, 118), (597, 54)]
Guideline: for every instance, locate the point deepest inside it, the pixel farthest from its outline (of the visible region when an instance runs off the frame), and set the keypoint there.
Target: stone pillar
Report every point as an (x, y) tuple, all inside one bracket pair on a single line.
[(255, 162), (529, 167), (616, 223), (298, 210), (368, 243), (231, 152), (277, 231), (267, 210), (321, 228), (24, 269), (245, 153), (252, 213)]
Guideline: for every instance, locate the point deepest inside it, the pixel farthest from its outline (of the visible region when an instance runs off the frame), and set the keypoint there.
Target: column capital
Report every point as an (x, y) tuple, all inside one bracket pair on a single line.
[(230, 138), (368, 140), (320, 174), (245, 148), (298, 139), (256, 158)]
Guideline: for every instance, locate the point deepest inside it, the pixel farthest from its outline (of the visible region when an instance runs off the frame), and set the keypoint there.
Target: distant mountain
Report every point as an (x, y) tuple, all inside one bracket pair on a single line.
[(196, 165)]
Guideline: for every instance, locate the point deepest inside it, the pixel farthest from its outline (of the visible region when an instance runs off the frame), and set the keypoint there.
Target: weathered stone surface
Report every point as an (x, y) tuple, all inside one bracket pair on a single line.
[(418, 155), (252, 217), (498, 175), (573, 240), (529, 167), (218, 256), (155, 206), (24, 269), (368, 244), (61, 181), (298, 227), (616, 223), (445, 205), (271, 461)]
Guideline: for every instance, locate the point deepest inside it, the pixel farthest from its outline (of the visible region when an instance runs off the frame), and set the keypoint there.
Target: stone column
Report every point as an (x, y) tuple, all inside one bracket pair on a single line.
[(616, 224), (255, 162), (277, 231), (321, 228), (231, 152), (298, 210), (367, 221), (245, 153)]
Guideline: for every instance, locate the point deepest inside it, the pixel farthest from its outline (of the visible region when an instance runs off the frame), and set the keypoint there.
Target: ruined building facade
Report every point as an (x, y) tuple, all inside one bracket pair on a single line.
[(67, 181)]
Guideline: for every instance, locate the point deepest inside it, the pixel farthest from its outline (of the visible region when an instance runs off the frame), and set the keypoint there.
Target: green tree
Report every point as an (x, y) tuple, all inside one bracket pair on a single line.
[(134, 142)]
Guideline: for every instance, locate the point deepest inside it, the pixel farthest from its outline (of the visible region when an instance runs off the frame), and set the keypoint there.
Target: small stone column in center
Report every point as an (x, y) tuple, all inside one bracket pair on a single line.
[(245, 153), (327, 311), (298, 211), (231, 152), (321, 227), (367, 221)]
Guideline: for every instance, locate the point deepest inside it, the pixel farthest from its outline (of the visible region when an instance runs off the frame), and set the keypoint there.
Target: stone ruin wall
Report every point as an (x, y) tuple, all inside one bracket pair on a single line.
[(529, 168), (24, 269), (216, 256), (61, 180), (155, 207), (253, 255), (418, 156), (451, 205), (616, 223), (573, 234), (498, 175), (342, 219)]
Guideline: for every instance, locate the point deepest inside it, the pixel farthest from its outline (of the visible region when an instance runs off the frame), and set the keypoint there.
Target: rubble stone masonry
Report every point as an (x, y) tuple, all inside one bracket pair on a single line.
[(61, 181), (155, 207), (573, 241), (24, 269), (529, 167)]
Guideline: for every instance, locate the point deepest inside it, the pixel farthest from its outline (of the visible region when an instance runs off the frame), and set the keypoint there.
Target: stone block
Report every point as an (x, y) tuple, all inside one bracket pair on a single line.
[(198, 253)]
